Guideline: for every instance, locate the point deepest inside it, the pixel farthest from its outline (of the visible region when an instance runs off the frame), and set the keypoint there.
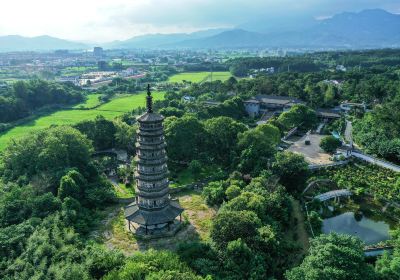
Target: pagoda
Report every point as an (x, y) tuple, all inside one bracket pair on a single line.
[(153, 210)]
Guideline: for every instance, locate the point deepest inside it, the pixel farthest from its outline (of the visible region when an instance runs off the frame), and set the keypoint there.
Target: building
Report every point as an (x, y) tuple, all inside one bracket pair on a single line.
[(153, 210), (261, 104), (98, 51), (328, 114)]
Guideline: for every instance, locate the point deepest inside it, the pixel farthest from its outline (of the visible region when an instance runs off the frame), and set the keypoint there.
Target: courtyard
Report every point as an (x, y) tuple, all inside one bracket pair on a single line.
[(312, 153)]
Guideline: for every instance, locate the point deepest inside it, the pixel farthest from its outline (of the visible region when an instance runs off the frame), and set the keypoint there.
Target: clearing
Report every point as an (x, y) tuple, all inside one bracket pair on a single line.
[(110, 110), (197, 215), (312, 153)]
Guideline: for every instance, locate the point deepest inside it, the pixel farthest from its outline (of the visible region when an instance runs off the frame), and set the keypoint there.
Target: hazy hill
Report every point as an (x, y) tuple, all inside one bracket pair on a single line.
[(40, 43), (161, 40)]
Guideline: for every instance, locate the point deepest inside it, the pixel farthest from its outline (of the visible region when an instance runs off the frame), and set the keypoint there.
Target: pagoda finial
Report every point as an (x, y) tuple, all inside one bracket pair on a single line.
[(149, 100)]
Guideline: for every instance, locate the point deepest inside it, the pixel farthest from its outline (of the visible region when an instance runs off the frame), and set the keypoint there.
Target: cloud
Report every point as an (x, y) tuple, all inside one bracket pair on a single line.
[(104, 20)]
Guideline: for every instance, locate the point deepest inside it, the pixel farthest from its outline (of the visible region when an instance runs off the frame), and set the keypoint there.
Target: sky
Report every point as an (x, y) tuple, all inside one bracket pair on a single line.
[(108, 20)]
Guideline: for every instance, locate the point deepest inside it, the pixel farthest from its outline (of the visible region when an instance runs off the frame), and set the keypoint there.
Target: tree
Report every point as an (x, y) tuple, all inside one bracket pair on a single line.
[(232, 192), (333, 257), (72, 185), (298, 115), (195, 168), (240, 262), (214, 193), (47, 154), (231, 225), (100, 131), (329, 144), (222, 133), (185, 137), (256, 149), (292, 170), (125, 135), (250, 202), (150, 264)]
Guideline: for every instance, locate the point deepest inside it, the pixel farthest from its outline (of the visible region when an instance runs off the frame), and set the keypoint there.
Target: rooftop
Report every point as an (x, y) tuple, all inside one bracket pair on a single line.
[(169, 213), (274, 99), (150, 117)]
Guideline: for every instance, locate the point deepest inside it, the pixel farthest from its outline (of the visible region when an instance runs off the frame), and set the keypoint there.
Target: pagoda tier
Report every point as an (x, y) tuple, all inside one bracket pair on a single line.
[(153, 205)]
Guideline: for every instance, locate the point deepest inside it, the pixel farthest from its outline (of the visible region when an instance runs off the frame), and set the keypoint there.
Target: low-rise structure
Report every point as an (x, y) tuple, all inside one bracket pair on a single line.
[(260, 104)]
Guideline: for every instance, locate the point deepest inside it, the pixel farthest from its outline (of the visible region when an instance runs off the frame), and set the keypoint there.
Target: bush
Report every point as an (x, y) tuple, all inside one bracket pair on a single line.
[(329, 144)]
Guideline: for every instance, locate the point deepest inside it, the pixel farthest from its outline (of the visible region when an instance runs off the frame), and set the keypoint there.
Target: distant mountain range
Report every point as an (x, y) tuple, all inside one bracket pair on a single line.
[(12, 43), (367, 29)]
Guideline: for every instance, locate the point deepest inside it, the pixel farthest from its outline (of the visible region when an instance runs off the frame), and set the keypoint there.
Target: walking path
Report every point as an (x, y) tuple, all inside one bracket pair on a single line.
[(300, 226), (376, 161)]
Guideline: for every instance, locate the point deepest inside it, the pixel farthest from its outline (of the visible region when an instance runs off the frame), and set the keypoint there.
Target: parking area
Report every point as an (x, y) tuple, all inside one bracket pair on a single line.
[(312, 153)]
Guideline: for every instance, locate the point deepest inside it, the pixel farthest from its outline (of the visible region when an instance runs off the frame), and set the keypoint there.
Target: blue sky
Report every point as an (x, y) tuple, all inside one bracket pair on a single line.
[(105, 20)]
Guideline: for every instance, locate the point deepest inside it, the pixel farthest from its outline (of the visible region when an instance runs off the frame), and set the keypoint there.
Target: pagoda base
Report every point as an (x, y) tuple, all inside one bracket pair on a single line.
[(155, 232)]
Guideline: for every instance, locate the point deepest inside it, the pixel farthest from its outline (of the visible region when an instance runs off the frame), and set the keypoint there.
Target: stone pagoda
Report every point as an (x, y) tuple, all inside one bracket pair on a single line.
[(153, 210)]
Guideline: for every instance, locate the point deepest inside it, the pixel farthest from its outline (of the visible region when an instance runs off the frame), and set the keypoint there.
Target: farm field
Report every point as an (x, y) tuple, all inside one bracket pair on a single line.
[(198, 77), (110, 110)]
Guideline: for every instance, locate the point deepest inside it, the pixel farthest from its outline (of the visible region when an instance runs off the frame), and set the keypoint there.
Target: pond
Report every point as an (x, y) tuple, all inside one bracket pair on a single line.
[(368, 230)]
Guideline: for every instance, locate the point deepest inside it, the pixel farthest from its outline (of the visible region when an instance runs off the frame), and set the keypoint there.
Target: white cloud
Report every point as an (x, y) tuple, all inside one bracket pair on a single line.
[(102, 20)]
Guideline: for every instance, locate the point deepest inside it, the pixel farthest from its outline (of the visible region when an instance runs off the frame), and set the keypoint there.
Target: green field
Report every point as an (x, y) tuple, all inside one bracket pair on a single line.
[(92, 100), (110, 110), (198, 77)]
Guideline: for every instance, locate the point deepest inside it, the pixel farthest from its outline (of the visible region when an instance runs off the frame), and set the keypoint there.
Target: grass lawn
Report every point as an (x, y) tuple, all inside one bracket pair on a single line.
[(222, 76), (198, 77), (197, 213), (92, 100), (125, 191), (110, 110)]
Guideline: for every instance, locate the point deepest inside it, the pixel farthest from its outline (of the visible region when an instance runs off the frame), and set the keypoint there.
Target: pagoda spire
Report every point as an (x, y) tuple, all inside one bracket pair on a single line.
[(149, 100)]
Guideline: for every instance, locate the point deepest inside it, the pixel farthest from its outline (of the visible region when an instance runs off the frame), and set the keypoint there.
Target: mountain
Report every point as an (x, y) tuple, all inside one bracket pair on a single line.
[(161, 40), (369, 28), (366, 29), (13, 43), (278, 24), (237, 38)]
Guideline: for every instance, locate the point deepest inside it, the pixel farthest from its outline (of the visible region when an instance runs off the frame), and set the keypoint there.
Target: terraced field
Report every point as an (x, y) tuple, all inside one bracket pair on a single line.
[(199, 77), (110, 110)]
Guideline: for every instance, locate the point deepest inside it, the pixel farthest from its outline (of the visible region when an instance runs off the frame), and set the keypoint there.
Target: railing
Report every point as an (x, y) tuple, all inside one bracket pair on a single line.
[(322, 166)]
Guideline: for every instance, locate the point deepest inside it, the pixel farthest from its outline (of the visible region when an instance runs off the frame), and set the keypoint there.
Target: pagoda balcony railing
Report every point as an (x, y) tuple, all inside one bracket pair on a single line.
[(151, 145), (151, 178), (141, 128), (158, 185), (153, 138), (152, 172), (151, 125), (152, 193), (150, 133), (153, 207), (148, 169), (142, 161), (151, 155)]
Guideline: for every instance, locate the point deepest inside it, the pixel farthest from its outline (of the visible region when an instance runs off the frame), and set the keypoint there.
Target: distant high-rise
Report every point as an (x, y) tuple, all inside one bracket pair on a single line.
[(153, 208), (98, 51)]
